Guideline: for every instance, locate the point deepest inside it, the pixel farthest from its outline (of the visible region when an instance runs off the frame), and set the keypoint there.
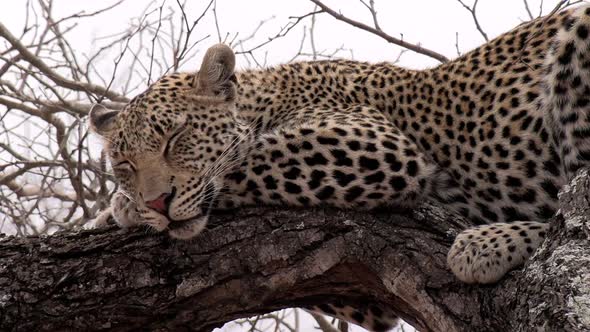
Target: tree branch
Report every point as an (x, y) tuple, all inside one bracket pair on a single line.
[(55, 77), (258, 259), (376, 31), (472, 10)]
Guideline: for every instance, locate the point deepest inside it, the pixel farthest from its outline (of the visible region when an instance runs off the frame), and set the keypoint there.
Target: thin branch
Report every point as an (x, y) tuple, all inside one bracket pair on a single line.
[(528, 10), (457, 43), (184, 49), (55, 77), (371, 7), (282, 32), (323, 323), (216, 20), (312, 36), (472, 10), (413, 47)]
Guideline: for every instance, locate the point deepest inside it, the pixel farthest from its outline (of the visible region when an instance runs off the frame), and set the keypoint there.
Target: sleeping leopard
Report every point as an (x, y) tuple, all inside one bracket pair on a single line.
[(493, 135)]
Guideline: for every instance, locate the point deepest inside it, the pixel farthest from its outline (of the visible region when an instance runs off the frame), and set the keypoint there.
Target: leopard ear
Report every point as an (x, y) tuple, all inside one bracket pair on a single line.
[(216, 76), (102, 119)]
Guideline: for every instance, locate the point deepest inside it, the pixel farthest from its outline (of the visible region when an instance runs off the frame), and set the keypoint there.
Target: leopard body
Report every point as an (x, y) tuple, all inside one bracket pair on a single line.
[(492, 135)]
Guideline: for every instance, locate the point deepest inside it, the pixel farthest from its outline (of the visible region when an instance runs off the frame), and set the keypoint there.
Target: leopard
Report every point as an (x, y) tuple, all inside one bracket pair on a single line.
[(492, 135)]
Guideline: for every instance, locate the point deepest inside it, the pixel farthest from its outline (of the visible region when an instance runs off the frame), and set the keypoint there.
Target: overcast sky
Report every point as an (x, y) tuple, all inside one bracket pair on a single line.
[(432, 23), (435, 24)]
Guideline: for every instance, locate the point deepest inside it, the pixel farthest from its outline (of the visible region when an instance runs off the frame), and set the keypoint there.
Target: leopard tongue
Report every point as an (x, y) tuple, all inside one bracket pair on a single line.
[(158, 204)]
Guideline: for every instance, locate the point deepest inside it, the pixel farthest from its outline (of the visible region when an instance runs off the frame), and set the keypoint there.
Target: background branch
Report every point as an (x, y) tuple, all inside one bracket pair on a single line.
[(377, 31)]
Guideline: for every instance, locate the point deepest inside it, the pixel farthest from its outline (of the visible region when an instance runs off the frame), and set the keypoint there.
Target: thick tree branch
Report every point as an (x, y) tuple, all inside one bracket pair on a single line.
[(256, 260)]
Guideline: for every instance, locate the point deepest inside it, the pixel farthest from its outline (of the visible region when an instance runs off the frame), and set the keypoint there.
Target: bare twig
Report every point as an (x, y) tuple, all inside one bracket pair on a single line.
[(528, 10), (457, 44), (323, 323), (413, 47), (373, 11), (51, 74), (472, 10), (184, 38), (154, 43), (282, 32)]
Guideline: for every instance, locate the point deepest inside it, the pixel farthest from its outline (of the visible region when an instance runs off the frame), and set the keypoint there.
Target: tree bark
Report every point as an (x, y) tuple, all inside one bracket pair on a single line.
[(256, 260)]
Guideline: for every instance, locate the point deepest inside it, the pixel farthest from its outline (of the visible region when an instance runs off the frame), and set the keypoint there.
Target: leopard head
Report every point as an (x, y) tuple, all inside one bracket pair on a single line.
[(170, 146)]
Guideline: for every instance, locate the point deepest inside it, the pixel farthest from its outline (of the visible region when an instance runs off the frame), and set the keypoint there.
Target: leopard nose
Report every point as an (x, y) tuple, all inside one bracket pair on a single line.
[(159, 204)]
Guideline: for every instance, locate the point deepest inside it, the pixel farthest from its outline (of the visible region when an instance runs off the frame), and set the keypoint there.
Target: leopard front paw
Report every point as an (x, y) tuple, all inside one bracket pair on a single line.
[(124, 211), (128, 214)]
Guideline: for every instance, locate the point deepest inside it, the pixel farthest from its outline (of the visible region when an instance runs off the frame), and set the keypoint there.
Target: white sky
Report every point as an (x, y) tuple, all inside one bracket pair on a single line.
[(432, 23)]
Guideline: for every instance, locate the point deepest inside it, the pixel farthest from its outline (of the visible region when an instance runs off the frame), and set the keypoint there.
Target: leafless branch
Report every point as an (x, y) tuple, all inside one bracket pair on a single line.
[(51, 74), (183, 44), (373, 11), (323, 323), (282, 33), (457, 44), (472, 11), (528, 9), (413, 47)]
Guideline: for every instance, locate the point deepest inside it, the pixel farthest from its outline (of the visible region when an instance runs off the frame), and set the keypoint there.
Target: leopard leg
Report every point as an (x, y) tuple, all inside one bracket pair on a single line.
[(127, 213), (372, 318), (484, 254)]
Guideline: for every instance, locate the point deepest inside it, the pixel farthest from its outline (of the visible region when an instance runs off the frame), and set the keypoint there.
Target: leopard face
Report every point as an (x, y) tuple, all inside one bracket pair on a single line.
[(169, 146)]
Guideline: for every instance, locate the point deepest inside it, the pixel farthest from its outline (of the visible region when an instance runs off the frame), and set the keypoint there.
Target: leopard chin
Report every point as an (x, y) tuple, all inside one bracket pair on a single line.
[(186, 230)]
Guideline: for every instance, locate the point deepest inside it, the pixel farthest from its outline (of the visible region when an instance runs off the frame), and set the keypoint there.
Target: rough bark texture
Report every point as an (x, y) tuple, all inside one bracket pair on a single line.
[(257, 260)]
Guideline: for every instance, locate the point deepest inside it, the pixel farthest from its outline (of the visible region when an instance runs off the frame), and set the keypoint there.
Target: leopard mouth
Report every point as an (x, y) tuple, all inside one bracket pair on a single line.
[(209, 196)]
